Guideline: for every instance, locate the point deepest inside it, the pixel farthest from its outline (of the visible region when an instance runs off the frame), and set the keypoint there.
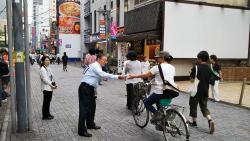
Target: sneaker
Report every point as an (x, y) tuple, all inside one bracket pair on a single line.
[(193, 124), (211, 126)]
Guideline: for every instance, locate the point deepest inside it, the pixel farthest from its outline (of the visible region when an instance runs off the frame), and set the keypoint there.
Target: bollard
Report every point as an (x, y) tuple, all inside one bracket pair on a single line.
[(242, 90)]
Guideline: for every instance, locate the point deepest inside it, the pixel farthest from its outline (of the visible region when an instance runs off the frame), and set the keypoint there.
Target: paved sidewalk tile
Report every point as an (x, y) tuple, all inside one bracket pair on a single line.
[(232, 123)]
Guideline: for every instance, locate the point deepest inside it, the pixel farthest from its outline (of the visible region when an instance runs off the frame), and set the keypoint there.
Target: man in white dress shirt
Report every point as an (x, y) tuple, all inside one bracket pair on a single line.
[(87, 105)]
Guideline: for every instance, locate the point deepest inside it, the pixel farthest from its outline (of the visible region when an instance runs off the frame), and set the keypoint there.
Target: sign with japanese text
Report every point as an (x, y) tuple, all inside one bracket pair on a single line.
[(102, 29)]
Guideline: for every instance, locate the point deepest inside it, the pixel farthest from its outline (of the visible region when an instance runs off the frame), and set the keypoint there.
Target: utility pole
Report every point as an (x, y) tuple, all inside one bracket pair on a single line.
[(107, 26), (19, 66), (11, 67), (27, 63)]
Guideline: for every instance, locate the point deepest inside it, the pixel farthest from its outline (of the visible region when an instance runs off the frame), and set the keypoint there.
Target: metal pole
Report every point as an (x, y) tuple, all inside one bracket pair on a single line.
[(242, 90), (107, 27), (11, 67), (27, 66), (5, 36), (19, 64)]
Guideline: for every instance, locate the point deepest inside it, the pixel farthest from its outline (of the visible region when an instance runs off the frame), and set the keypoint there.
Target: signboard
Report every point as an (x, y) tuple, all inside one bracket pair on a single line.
[(122, 52), (69, 16), (102, 29)]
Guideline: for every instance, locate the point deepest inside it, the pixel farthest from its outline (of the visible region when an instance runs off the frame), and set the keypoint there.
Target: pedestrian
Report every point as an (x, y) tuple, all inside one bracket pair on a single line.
[(65, 61), (215, 78), (58, 58), (87, 103), (164, 59), (47, 86), (5, 78), (145, 66), (201, 97), (131, 66)]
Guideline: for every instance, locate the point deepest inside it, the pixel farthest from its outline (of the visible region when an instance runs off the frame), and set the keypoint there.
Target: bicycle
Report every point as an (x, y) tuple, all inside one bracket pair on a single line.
[(173, 124)]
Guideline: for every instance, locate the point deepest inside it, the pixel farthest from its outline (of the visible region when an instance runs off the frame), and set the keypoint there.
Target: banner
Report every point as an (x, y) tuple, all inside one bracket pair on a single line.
[(122, 52), (69, 16)]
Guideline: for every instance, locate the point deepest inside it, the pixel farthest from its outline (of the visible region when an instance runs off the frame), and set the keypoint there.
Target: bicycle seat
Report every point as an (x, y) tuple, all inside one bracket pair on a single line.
[(165, 102)]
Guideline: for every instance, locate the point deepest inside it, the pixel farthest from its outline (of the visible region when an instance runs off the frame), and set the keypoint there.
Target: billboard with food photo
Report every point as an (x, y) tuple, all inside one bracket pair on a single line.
[(69, 16)]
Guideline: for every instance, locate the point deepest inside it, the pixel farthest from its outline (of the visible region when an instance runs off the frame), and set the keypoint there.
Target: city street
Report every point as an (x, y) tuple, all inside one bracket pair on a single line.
[(232, 123)]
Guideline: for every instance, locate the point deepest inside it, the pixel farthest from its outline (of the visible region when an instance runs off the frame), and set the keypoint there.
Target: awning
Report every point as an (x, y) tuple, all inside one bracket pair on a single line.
[(140, 36)]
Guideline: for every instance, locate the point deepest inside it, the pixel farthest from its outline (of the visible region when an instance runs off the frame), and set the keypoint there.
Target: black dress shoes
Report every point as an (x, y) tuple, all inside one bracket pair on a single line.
[(49, 117), (85, 134), (94, 127)]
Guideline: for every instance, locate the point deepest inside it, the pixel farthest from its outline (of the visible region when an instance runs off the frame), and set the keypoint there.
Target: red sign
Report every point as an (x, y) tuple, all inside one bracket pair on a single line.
[(102, 29)]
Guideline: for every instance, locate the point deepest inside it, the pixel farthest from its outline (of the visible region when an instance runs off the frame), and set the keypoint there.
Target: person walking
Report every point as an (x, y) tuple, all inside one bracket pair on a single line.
[(65, 61), (92, 74), (164, 59), (216, 77), (47, 86), (131, 66), (201, 97)]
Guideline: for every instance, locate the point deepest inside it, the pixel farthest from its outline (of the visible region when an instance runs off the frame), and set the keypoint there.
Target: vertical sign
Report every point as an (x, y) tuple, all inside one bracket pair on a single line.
[(122, 52), (102, 29)]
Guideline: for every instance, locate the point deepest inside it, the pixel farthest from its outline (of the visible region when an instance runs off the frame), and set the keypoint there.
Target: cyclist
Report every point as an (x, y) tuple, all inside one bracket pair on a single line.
[(164, 59)]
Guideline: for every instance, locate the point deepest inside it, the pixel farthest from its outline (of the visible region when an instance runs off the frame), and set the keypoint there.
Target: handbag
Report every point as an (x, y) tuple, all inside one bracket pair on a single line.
[(168, 93), (192, 89)]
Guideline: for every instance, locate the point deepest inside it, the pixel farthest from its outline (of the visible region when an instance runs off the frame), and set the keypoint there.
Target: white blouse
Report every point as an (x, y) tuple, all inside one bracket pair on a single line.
[(46, 77)]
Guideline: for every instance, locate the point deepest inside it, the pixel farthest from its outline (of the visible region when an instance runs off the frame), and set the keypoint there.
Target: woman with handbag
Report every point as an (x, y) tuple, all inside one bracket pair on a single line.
[(47, 86), (158, 91)]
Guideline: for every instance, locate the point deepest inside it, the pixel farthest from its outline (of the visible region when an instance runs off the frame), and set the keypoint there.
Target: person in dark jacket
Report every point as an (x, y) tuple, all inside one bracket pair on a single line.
[(65, 61)]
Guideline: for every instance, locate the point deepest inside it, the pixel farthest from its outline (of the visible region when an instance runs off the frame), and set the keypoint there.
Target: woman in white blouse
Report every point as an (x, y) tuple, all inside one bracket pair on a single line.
[(47, 86)]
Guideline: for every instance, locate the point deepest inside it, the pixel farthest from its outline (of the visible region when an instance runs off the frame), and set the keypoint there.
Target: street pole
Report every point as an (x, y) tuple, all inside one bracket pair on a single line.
[(27, 64), (19, 64), (11, 67), (107, 27)]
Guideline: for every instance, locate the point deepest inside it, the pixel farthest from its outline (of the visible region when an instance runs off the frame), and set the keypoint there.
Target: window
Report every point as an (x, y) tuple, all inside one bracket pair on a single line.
[(126, 5), (111, 5)]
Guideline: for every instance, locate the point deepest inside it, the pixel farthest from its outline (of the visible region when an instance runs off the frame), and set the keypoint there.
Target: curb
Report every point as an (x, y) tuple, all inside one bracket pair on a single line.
[(4, 135)]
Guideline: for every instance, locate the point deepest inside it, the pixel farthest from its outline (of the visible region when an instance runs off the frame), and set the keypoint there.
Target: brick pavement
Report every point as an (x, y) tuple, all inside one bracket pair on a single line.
[(232, 123)]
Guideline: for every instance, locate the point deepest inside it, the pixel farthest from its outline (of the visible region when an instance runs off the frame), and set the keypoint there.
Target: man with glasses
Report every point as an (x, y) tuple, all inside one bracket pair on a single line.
[(92, 74)]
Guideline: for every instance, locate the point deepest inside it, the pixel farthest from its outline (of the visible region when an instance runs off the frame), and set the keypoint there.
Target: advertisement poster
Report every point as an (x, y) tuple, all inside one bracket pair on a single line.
[(69, 16), (122, 52)]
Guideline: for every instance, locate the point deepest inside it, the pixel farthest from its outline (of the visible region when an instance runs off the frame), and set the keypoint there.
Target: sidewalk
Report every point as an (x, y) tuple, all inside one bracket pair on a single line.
[(116, 121), (229, 92)]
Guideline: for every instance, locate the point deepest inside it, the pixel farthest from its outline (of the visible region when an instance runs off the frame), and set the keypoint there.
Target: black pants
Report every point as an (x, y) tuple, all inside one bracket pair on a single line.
[(87, 107), (130, 95), (47, 96)]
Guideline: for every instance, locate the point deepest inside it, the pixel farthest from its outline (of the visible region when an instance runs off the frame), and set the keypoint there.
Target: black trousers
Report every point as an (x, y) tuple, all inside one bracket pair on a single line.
[(87, 107), (130, 95), (47, 96)]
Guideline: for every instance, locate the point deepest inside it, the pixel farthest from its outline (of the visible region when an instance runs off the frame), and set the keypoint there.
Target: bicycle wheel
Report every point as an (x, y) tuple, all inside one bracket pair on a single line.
[(175, 126), (140, 113)]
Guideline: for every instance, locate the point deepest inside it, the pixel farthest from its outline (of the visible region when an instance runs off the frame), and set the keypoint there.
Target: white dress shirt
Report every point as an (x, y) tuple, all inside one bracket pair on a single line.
[(93, 73)]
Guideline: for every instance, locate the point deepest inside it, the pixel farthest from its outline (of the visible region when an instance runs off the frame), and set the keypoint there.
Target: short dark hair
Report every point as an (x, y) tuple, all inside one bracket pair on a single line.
[(214, 57), (92, 51), (132, 55), (203, 55)]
